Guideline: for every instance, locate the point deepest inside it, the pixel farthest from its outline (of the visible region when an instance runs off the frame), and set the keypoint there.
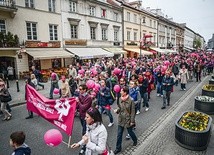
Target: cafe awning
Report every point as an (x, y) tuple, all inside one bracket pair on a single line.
[(115, 50), (170, 51), (137, 50), (159, 50), (89, 53), (48, 53)]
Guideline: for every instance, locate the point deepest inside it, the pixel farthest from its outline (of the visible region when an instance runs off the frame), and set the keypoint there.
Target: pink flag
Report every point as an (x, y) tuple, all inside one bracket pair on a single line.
[(59, 112)]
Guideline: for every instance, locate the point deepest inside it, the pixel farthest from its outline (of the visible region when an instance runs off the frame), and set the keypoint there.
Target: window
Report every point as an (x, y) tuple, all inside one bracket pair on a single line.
[(53, 32), (73, 31), (128, 35), (150, 23), (29, 3), (73, 6), (51, 5), (115, 35), (103, 13), (93, 32), (135, 36), (2, 26), (104, 34), (31, 31), (154, 24), (128, 16), (92, 10), (135, 18), (115, 16)]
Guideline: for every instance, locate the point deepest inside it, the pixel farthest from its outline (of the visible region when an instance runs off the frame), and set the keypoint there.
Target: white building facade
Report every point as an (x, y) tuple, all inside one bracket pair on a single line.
[(91, 24)]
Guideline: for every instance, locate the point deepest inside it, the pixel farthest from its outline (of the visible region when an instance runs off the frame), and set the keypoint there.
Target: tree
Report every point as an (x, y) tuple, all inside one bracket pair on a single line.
[(197, 43)]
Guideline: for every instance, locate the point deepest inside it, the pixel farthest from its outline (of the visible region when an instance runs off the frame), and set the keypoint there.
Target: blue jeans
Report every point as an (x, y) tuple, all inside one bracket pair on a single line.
[(53, 85), (159, 88), (83, 123), (120, 130), (145, 100), (108, 112)]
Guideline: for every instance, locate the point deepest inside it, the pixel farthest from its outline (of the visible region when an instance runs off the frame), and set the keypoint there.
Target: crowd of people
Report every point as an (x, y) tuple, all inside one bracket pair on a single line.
[(137, 78)]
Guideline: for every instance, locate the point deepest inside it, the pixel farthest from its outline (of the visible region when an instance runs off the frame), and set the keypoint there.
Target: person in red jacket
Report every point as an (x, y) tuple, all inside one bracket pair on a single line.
[(84, 102)]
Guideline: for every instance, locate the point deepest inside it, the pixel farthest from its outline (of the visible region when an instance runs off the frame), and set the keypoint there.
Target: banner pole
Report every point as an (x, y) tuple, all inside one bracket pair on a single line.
[(69, 141)]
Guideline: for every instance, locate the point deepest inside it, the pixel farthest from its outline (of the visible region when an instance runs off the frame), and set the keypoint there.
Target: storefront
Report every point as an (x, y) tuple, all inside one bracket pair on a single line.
[(135, 52), (9, 57), (89, 53), (118, 52), (45, 59)]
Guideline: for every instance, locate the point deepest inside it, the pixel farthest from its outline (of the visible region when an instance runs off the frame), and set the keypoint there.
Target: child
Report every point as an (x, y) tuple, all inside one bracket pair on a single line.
[(17, 140)]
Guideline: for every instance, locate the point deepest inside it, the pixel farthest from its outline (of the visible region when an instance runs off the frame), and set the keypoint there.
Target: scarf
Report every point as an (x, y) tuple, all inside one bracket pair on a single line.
[(123, 98)]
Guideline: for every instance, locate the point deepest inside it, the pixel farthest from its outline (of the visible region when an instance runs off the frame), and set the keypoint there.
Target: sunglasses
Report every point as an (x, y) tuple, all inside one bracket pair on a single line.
[(80, 89), (1, 85)]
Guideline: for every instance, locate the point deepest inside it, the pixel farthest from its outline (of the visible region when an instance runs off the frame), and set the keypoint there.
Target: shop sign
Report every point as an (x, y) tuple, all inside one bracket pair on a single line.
[(38, 44), (132, 43), (116, 43), (76, 42)]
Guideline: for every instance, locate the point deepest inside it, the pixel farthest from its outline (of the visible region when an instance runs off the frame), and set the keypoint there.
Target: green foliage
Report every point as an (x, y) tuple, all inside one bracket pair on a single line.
[(9, 40), (197, 43)]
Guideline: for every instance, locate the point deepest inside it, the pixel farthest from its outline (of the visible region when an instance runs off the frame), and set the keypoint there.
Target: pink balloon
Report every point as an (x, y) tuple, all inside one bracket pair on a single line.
[(117, 88), (82, 71), (56, 91), (53, 137), (94, 71), (97, 87), (116, 71), (167, 63), (90, 84)]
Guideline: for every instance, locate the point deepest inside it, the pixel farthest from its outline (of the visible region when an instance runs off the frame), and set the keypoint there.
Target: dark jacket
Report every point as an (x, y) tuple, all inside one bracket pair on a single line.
[(22, 150), (103, 100), (84, 104), (168, 82), (175, 69), (144, 86)]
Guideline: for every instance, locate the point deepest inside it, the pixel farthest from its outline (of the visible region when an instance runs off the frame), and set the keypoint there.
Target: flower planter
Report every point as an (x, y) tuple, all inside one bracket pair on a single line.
[(204, 104), (211, 81), (190, 139), (208, 90)]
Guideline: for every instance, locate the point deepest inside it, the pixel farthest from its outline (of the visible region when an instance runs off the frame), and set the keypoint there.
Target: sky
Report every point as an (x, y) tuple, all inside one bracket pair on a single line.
[(197, 14)]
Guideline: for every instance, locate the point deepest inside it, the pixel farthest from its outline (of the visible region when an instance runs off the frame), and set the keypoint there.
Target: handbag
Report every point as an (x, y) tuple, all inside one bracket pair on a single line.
[(6, 98), (152, 86), (108, 150)]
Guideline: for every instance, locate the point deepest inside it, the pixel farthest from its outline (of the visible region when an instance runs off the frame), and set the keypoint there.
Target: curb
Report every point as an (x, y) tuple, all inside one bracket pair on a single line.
[(17, 104), (159, 124)]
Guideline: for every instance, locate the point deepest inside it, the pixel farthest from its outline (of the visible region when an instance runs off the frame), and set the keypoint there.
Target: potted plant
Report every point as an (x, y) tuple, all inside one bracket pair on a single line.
[(211, 81), (208, 90), (193, 130), (204, 104)]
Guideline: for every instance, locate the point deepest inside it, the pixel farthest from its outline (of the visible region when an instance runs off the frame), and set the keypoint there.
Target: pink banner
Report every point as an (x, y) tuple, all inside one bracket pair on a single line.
[(59, 112)]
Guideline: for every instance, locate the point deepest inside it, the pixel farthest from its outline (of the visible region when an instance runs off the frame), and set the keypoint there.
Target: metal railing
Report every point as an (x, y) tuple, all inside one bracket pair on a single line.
[(7, 3)]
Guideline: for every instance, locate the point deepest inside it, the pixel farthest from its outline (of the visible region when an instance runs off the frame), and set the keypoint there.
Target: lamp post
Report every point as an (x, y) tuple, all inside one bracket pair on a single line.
[(140, 36)]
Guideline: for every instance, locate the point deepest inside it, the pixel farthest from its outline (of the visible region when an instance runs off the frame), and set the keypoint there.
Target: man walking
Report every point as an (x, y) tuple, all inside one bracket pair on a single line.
[(167, 89), (126, 117), (54, 82)]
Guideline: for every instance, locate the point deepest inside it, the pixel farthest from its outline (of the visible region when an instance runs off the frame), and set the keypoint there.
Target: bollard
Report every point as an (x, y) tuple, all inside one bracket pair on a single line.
[(17, 85), (7, 83)]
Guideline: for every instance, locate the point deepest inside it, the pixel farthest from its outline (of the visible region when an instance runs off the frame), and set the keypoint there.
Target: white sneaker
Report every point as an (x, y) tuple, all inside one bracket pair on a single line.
[(128, 136), (161, 95), (110, 124), (184, 89), (158, 94), (147, 109), (138, 112)]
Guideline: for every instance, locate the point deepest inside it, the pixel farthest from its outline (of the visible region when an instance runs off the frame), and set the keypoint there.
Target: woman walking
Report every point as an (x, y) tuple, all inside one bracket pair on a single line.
[(183, 76), (96, 134), (4, 93)]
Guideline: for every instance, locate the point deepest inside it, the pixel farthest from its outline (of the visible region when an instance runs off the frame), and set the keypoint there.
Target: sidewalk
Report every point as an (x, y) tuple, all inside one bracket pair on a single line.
[(19, 97), (159, 139)]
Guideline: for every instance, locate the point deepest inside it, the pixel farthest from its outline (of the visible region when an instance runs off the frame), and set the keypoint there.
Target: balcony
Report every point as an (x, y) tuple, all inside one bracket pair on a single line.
[(8, 6)]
